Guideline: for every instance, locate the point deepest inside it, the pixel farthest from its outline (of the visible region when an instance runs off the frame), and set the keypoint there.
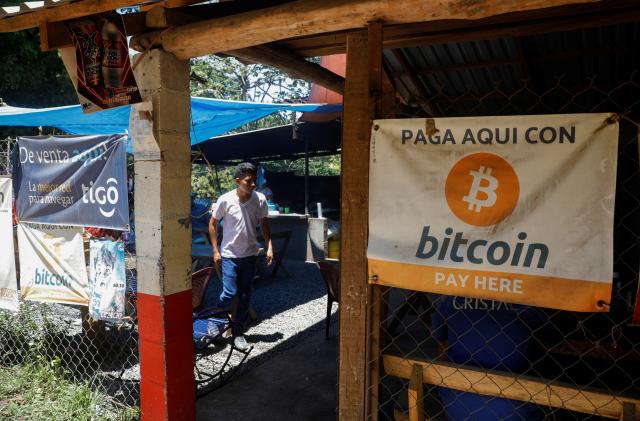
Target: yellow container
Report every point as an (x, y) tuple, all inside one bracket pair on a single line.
[(334, 248)]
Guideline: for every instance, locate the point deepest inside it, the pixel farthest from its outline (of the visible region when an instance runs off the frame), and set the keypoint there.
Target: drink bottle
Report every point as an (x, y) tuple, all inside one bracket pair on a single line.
[(113, 55)]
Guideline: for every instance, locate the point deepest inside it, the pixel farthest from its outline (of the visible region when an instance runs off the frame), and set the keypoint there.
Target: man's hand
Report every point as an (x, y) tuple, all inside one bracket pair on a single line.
[(269, 257), (217, 259)]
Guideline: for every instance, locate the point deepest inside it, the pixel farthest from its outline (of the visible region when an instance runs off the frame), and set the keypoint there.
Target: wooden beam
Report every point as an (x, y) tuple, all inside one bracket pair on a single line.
[(354, 215), (63, 12), (156, 18), (291, 64), (271, 55), (503, 26), (374, 296), (44, 37), (383, 95), (376, 72), (628, 412), (173, 13), (510, 386), (170, 4), (308, 17), (416, 394)]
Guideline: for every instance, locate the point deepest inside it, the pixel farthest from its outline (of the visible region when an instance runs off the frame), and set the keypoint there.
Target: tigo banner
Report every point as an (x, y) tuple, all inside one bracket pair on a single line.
[(52, 265), (8, 284), (107, 279), (516, 209), (72, 180)]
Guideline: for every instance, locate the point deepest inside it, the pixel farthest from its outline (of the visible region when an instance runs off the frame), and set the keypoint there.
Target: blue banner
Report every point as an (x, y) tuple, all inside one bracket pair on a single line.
[(72, 180)]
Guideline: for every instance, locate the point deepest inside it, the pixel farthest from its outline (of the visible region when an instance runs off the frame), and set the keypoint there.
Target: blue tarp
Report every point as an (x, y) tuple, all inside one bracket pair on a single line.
[(209, 117), (312, 139)]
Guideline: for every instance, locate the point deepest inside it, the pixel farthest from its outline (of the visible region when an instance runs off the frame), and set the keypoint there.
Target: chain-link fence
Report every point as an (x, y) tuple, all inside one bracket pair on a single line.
[(65, 345), (471, 354), (5, 155), (81, 368)]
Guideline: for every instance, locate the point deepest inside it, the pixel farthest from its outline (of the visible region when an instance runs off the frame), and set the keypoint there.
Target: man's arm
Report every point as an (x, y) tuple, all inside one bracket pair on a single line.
[(266, 233), (213, 235)]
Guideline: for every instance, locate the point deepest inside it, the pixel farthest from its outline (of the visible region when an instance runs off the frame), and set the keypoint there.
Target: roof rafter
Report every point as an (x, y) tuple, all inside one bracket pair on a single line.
[(63, 12), (310, 17), (577, 17)]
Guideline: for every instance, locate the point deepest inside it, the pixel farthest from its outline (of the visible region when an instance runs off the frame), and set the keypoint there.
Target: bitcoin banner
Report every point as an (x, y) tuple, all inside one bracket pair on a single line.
[(516, 209), (52, 264)]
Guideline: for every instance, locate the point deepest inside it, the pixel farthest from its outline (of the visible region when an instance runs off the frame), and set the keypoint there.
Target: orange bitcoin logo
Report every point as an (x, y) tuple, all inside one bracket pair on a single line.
[(482, 189)]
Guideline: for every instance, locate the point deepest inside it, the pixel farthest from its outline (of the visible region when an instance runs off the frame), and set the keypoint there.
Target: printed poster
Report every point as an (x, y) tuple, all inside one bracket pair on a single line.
[(72, 180), (52, 264), (516, 209), (99, 65), (107, 279), (8, 281)]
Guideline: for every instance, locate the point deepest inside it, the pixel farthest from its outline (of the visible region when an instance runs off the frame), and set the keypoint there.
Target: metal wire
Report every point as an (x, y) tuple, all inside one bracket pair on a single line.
[(586, 351), (102, 355), (6, 146)]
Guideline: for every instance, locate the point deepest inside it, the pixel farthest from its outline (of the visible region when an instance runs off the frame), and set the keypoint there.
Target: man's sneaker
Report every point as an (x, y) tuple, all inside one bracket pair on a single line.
[(240, 342)]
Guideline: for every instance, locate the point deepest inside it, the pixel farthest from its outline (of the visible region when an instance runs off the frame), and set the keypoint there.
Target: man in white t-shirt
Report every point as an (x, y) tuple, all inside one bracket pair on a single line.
[(242, 210)]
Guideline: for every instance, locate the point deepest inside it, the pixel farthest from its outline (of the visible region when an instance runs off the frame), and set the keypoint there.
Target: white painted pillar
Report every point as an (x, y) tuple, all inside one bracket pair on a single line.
[(160, 134)]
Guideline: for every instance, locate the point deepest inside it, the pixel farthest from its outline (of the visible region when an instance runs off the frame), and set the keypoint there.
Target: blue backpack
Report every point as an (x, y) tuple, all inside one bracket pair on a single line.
[(207, 326)]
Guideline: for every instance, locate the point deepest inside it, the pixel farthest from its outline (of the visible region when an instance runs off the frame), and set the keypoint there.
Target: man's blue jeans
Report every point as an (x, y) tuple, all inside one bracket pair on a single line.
[(237, 275)]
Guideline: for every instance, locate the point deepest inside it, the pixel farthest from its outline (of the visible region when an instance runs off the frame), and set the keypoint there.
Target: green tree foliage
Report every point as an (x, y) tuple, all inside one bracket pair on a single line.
[(31, 78), (227, 78), (320, 165)]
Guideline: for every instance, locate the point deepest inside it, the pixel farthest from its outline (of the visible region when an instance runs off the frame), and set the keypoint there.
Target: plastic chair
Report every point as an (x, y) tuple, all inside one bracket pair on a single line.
[(331, 276), (199, 283)]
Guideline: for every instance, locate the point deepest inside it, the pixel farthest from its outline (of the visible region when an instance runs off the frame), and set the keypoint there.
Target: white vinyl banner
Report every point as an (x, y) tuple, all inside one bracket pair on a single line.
[(517, 209), (52, 264), (8, 283)]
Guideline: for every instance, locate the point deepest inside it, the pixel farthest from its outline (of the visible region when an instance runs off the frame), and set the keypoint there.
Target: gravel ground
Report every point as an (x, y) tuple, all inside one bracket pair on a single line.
[(289, 310)]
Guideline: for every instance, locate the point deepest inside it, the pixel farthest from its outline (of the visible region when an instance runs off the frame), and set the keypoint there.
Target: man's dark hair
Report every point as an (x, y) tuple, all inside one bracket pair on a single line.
[(245, 169)]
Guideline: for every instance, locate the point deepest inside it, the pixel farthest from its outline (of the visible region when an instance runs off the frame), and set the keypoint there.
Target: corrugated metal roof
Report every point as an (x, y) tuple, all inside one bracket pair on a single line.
[(509, 75)]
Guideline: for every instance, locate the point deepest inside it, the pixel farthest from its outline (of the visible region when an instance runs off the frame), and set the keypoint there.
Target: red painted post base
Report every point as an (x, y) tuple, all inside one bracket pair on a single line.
[(167, 386)]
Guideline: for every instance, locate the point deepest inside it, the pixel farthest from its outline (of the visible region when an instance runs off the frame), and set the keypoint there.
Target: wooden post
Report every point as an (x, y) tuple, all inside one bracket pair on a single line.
[(416, 393), (628, 412), (374, 300), (354, 219), (162, 151), (513, 386)]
